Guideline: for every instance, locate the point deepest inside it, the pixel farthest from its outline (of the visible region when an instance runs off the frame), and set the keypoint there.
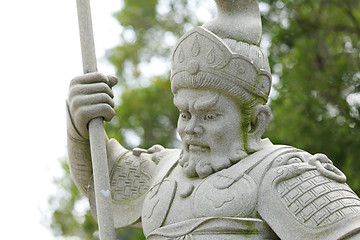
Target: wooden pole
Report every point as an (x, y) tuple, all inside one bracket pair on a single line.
[(96, 130)]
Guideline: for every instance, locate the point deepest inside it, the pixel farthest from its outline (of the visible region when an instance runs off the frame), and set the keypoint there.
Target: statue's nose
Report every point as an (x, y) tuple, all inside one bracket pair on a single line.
[(193, 127)]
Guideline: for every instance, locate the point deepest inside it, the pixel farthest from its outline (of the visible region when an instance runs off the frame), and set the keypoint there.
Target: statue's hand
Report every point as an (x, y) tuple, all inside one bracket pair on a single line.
[(91, 96)]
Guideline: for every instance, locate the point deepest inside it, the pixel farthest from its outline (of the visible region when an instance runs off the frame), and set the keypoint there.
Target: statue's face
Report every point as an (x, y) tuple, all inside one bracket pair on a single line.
[(209, 126)]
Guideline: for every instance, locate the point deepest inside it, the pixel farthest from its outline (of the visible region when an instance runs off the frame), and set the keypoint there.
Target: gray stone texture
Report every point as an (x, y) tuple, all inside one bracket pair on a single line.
[(226, 182)]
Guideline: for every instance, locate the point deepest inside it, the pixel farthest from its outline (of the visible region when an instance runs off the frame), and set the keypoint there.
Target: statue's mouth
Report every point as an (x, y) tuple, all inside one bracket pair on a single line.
[(196, 147)]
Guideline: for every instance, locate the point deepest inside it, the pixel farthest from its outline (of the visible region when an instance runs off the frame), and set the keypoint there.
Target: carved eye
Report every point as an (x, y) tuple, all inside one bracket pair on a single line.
[(210, 116), (185, 116)]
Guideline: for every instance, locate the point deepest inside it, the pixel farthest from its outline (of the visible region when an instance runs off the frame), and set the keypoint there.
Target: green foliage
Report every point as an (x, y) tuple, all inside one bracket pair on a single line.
[(147, 112), (314, 50), (149, 27), (66, 219)]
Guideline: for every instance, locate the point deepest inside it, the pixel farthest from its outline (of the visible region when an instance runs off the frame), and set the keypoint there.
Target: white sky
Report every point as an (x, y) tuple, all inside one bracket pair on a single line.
[(39, 55)]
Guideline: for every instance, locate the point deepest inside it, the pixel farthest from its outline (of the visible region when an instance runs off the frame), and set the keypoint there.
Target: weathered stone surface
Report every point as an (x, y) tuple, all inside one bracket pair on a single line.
[(226, 182)]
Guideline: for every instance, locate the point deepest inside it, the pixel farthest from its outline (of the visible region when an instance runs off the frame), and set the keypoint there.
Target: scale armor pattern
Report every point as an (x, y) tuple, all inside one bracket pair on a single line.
[(316, 200), (311, 197), (129, 179)]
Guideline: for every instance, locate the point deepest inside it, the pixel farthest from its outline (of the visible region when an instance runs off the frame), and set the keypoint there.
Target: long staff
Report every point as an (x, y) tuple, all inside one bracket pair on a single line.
[(96, 130)]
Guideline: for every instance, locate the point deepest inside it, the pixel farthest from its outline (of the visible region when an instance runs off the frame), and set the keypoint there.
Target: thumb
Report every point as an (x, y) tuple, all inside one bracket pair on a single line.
[(112, 80)]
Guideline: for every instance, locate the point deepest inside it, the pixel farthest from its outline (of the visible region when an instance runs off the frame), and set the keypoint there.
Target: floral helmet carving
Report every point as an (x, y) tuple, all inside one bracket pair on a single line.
[(224, 53)]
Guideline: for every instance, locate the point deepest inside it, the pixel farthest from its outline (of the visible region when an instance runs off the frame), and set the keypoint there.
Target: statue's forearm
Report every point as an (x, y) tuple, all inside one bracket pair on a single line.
[(79, 157), (80, 163)]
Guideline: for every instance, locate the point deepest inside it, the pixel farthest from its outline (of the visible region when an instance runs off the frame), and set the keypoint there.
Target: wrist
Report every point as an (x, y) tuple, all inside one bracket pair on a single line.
[(73, 133)]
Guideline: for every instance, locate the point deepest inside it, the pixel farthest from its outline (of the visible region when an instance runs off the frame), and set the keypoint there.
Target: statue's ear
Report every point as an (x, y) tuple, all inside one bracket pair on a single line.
[(259, 121)]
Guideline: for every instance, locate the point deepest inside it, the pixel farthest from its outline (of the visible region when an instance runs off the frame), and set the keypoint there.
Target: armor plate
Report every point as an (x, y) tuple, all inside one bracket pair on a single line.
[(131, 177), (312, 201)]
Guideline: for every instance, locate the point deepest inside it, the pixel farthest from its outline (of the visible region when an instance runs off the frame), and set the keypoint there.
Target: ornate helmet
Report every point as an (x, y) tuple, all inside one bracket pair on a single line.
[(224, 53)]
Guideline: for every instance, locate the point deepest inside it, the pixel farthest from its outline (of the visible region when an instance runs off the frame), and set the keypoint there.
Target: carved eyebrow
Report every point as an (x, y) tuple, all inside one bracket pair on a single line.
[(180, 103), (202, 103)]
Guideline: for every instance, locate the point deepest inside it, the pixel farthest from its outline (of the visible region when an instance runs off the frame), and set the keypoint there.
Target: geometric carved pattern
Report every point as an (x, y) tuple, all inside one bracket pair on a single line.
[(129, 180), (316, 200)]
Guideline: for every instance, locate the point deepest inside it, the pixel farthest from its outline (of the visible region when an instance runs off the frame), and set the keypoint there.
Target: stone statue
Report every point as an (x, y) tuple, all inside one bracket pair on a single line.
[(226, 182)]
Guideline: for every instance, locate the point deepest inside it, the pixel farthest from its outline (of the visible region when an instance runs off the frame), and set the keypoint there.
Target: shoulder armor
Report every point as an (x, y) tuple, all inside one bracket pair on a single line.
[(304, 196), (131, 177)]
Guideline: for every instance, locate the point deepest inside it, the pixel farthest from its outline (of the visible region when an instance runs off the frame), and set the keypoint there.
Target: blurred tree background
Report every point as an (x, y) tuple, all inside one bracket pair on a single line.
[(314, 53)]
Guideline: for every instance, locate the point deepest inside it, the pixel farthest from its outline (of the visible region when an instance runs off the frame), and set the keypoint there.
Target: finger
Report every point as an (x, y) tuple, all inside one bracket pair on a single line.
[(89, 78), (89, 100), (112, 80), (90, 89), (155, 148), (85, 115), (98, 110)]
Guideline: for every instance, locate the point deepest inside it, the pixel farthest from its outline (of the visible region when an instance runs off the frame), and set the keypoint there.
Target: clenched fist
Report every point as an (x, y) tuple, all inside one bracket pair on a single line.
[(91, 96)]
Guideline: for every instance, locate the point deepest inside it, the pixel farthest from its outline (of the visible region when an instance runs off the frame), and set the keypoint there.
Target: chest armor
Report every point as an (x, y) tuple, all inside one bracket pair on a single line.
[(229, 193), (300, 196), (177, 198), (220, 196)]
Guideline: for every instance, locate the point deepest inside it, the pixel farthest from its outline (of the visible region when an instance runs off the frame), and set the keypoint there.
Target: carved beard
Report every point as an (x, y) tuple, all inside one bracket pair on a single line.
[(204, 163)]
